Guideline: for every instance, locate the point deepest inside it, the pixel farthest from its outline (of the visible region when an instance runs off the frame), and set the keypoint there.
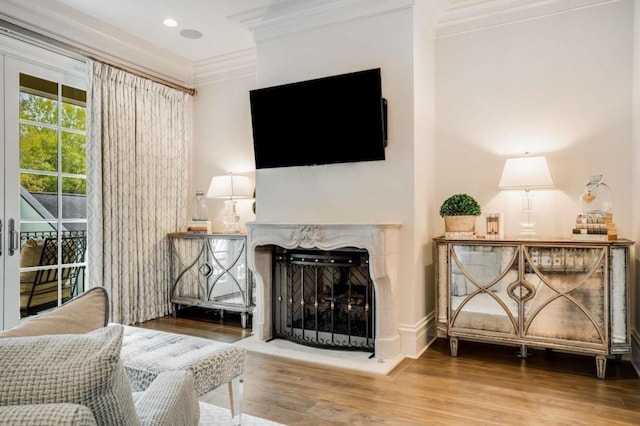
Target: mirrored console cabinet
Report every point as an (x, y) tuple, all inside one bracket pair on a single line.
[(210, 271), (555, 294)]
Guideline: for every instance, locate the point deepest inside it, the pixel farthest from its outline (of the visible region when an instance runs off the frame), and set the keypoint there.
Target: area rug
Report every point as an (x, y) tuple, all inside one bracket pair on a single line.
[(212, 415)]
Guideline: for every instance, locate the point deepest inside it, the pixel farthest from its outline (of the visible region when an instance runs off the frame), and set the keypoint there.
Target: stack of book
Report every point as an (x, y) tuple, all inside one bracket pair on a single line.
[(461, 235), (199, 227), (595, 226)]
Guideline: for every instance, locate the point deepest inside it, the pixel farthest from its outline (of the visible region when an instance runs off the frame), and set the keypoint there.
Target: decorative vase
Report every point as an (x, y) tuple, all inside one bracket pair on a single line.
[(596, 197), (460, 223), (199, 207)]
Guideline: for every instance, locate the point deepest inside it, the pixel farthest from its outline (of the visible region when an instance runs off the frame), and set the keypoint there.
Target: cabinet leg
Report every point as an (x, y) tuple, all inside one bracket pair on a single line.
[(243, 319), (523, 352), (601, 366), (453, 346)]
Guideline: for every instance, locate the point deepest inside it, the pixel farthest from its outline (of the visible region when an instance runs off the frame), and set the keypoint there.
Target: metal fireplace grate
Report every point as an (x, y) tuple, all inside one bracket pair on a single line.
[(324, 298)]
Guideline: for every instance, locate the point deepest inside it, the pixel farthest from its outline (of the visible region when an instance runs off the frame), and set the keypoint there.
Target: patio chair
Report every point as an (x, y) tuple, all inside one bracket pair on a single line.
[(39, 289)]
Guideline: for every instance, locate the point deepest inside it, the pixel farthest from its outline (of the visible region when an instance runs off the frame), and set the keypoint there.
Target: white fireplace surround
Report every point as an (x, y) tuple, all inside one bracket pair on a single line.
[(382, 242)]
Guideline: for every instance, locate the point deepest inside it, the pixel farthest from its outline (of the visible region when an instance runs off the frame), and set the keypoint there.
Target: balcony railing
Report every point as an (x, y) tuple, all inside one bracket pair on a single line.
[(43, 265), (24, 236)]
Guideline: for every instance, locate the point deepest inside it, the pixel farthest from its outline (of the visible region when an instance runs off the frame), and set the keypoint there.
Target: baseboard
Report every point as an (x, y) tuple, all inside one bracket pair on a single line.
[(635, 350), (416, 338)]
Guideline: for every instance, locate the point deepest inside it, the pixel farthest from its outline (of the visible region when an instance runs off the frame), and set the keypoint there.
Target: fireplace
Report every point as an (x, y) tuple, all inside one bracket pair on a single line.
[(323, 298), (380, 242)]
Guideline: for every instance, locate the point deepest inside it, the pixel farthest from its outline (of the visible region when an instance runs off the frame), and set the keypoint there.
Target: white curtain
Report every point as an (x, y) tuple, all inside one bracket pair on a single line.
[(137, 147)]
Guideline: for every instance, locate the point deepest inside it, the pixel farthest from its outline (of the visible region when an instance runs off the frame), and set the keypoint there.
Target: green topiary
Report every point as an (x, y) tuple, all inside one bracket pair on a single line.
[(460, 205)]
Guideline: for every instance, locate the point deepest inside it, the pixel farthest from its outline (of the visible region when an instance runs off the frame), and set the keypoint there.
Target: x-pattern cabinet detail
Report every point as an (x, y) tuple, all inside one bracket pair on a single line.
[(565, 295), (210, 271)]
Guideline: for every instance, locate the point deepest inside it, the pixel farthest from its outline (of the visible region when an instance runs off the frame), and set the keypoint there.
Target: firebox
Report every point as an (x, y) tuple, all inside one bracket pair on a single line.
[(324, 298)]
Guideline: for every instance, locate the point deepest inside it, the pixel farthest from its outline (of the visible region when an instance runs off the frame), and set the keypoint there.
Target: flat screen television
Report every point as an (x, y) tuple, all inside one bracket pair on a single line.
[(337, 119)]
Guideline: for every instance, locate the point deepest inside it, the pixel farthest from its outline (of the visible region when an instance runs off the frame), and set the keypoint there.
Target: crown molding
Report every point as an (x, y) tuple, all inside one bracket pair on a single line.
[(295, 16), (428, 11), (286, 17), (460, 16), (85, 33), (441, 17), (224, 67)]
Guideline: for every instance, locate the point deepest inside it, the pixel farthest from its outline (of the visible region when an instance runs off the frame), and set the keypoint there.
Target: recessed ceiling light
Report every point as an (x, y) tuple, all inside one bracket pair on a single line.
[(192, 34), (170, 22)]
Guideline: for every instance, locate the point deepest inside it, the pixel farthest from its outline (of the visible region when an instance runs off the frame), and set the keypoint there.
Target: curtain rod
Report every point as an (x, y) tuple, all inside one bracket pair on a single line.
[(75, 52)]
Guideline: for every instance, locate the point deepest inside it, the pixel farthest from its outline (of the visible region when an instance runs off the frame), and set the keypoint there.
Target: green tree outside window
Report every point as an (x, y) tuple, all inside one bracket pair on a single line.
[(39, 144)]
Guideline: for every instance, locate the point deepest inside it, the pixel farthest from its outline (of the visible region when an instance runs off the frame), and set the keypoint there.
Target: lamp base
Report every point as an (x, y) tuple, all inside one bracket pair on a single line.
[(231, 220), (527, 220), (527, 233)]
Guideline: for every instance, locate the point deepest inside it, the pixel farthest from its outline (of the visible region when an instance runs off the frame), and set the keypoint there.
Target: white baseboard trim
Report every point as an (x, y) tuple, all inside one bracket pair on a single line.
[(635, 350), (416, 338)]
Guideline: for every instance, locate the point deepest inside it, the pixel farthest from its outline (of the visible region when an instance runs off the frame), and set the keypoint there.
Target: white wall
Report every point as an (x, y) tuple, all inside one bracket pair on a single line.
[(356, 192), (380, 191), (558, 85), (222, 142), (422, 293), (635, 188)]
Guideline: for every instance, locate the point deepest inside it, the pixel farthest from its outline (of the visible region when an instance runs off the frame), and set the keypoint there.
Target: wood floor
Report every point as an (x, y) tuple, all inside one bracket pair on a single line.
[(484, 385)]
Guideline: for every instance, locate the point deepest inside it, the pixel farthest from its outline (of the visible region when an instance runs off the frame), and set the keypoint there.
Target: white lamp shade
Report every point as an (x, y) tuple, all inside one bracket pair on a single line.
[(229, 186), (525, 173)]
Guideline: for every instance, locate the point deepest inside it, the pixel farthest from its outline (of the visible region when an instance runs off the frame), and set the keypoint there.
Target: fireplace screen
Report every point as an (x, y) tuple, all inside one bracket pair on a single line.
[(324, 299)]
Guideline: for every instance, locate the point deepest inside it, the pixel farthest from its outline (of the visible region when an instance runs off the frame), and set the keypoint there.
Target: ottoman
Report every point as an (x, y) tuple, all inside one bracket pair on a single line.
[(147, 353)]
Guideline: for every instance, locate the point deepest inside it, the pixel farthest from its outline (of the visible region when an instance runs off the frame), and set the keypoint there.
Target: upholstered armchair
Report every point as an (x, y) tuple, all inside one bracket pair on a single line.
[(77, 378), (70, 372)]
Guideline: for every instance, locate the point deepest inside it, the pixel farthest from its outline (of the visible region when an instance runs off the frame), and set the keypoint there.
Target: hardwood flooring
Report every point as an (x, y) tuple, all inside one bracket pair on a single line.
[(485, 384)]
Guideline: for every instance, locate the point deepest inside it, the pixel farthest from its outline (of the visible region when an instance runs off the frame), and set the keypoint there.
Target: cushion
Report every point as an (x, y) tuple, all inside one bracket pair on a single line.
[(30, 254), (170, 400), (147, 353), (69, 368), (82, 314), (46, 415), (45, 294)]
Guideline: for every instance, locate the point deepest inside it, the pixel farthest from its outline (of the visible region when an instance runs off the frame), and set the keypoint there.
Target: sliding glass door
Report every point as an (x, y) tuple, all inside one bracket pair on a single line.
[(44, 184)]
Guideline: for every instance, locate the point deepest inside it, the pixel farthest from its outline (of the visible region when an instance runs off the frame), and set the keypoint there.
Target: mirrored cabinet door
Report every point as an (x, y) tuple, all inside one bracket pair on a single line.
[(569, 294), (189, 269), (227, 281), (480, 280)]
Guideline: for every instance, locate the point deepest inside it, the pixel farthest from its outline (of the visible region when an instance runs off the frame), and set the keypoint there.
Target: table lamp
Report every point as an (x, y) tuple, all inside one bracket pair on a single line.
[(230, 187), (526, 173)]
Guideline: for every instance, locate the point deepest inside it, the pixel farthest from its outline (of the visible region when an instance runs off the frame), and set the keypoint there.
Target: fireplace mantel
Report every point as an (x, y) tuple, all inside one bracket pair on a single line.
[(382, 242)]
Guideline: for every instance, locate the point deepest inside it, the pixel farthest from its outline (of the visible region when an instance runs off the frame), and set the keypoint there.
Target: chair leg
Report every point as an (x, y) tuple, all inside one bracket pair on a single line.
[(235, 398)]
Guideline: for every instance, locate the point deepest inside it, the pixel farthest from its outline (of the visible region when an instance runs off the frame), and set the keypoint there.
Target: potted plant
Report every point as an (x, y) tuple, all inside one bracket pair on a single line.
[(460, 212)]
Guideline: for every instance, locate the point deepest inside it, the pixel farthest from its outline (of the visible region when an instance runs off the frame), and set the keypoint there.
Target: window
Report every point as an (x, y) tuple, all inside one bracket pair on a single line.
[(53, 219)]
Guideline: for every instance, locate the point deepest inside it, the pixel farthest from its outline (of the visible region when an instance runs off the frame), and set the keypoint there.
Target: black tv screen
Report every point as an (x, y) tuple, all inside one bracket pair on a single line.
[(337, 119)]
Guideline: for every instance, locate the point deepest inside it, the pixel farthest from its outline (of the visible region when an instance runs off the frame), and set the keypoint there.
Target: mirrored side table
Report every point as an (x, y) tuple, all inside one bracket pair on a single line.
[(210, 271)]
